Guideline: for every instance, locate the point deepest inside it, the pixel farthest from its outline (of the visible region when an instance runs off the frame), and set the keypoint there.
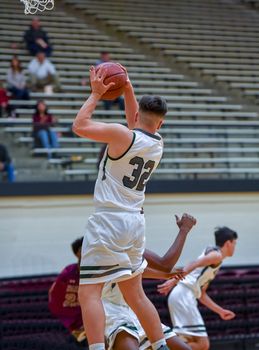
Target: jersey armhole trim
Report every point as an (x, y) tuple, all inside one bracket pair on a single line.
[(127, 150), (154, 136)]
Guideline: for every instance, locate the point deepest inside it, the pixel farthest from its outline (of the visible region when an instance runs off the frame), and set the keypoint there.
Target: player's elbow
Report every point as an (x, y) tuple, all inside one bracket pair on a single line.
[(168, 265), (79, 130), (165, 267), (76, 130), (202, 297)]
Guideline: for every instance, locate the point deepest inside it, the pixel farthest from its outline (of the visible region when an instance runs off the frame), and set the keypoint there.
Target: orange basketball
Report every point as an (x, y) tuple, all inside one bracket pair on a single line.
[(115, 74)]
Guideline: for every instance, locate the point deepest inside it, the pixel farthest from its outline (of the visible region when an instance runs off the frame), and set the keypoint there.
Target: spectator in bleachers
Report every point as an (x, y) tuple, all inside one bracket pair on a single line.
[(182, 301), (43, 74), (63, 299), (105, 57), (36, 38), (43, 133), (6, 165), (5, 107), (16, 81)]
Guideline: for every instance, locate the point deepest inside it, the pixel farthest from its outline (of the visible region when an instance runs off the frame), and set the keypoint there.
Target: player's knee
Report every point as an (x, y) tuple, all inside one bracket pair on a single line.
[(175, 343), (124, 340), (136, 295), (137, 298), (185, 346), (204, 343)]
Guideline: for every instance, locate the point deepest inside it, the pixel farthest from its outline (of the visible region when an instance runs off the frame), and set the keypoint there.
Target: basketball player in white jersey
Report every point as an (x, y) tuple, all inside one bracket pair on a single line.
[(115, 239), (182, 301)]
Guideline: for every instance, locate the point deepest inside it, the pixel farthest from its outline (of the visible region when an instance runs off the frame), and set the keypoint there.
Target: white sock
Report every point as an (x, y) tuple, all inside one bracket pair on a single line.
[(157, 345), (97, 346)]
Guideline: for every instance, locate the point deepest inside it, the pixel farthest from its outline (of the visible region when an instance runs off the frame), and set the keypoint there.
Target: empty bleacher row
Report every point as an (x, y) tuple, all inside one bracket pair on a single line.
[(217, 38), (205, 134), (26, 322)]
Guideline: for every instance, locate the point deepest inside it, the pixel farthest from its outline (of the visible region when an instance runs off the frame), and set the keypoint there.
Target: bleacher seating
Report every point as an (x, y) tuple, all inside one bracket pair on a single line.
[(217, 38), (27, 324), (207, 135)]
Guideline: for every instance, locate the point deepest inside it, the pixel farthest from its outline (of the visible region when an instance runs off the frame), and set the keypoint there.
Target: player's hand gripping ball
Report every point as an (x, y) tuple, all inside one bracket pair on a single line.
[(114, 74)]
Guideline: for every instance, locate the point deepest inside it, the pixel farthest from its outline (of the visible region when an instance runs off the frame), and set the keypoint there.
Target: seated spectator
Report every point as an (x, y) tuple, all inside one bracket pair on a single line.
[(63, 298), (6, 165), (16, 81), (43, 74), (36, 39), (5, 107), (105, 57), (42, 128)]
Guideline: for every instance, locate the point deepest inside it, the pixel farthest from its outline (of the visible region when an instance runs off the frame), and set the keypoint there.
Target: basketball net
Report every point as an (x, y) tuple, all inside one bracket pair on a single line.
[(32, 6)]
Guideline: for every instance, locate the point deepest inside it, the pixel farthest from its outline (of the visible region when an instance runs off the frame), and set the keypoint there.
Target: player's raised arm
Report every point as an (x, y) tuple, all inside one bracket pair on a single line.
[(117, 135), (131, 103), (167, 262)]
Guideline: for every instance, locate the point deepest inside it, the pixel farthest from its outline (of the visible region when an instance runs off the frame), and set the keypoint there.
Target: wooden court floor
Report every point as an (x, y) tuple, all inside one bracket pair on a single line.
[(36, 232)]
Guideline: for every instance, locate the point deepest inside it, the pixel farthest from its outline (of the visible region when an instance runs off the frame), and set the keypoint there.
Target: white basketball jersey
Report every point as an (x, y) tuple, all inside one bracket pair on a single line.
[(121, 182), (112, 293), (201, 276)]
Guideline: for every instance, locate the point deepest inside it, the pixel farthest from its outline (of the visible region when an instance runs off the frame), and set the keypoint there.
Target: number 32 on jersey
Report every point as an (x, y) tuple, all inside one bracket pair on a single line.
[(140, 173)]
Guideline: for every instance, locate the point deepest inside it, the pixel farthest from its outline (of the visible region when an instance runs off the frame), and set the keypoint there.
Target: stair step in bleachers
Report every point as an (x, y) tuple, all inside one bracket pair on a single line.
[(200, 32), (44, 333)]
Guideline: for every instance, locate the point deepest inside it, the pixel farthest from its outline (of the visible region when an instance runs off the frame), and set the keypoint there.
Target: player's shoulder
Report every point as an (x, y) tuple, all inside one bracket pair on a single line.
[(214, 255)]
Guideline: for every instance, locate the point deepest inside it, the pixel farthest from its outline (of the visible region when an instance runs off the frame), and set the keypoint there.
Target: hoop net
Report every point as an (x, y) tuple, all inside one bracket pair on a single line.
[(32, 6)]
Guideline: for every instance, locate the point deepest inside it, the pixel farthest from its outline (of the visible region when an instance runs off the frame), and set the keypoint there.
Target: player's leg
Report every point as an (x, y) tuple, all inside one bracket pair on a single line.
[(99, 264), (175, 343), (125, 341), (199, 343), (136, 298), (186, 318), (92, 312)]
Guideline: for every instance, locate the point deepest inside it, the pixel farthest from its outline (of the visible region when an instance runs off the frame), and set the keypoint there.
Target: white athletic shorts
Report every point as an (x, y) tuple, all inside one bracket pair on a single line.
[(113, 246), (185, 316), (121, 318)]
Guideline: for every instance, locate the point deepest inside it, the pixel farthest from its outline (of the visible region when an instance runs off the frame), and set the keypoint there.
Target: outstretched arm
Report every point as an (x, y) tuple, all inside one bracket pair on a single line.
[(207, 301), (167, 262), (158, 274), (213, 258)]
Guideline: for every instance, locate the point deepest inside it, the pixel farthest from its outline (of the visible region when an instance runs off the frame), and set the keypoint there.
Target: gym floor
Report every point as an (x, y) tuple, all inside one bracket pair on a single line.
[(36, 232)]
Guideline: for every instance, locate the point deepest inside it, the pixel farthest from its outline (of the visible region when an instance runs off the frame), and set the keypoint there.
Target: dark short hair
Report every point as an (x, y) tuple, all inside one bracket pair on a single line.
[(77, 244), (224, 234), (153, 104)]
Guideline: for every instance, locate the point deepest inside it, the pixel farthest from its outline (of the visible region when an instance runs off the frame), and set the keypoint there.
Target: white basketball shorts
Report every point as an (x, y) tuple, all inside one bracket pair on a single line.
[(113, 246), (185, 316), (121, 318)]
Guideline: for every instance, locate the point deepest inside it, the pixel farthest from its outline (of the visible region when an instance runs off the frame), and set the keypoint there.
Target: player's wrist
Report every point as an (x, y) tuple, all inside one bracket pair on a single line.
[(184, 230), (96, 94), (128, 85)]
